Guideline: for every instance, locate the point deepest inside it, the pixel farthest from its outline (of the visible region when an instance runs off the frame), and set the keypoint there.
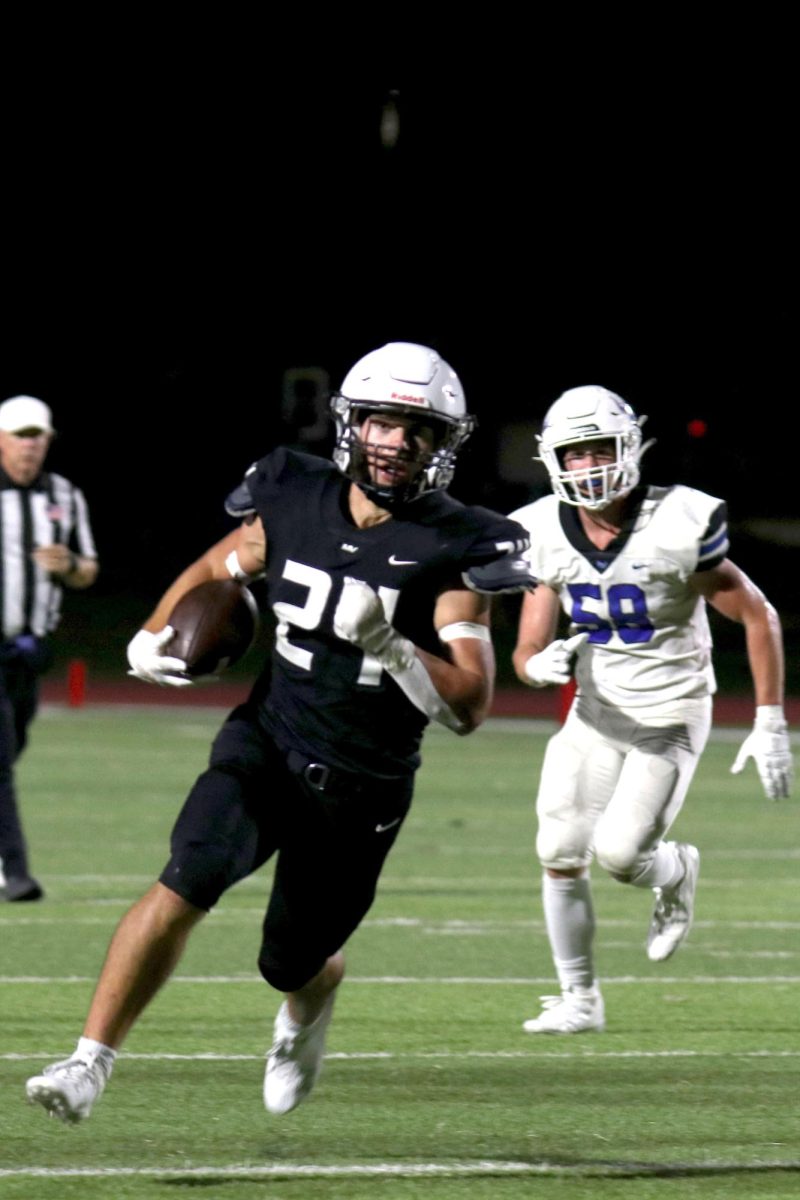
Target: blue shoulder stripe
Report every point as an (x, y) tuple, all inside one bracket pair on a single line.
[(719, 543), (715, 543)]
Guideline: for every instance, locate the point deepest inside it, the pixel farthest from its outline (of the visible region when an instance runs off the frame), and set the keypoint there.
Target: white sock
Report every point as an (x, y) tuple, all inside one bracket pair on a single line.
[(569, 918), (665, 869), (89, 1048)]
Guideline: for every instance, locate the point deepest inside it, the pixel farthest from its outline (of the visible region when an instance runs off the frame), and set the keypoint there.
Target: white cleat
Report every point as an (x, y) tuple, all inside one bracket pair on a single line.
[(674, 908), (295, 1059), (576, 1010), (68, 1089)]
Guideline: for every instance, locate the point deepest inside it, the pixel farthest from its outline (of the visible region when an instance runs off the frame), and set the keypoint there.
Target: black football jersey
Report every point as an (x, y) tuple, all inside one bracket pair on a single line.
[(322, 695)]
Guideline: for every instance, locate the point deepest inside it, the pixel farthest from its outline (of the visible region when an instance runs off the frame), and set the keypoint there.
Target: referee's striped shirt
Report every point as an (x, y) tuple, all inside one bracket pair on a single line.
[(50, 510)]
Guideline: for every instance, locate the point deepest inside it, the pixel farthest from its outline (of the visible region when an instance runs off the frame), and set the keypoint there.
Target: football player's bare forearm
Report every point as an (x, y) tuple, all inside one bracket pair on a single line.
[(210, 565), (538, 622), (739, 599), (765, 655), (188, 579), (523, 652), (468, 693)]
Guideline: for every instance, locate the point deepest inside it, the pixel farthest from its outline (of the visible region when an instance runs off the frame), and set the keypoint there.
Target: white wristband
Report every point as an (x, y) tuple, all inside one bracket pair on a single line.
[(236, 570), (464, 629)]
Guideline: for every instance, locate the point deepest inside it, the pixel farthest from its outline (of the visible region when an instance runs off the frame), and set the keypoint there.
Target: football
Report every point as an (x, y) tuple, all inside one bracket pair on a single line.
[(215, 625)]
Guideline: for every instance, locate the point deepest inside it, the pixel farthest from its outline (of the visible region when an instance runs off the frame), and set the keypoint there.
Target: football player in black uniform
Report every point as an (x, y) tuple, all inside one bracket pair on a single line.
[(377, 634)]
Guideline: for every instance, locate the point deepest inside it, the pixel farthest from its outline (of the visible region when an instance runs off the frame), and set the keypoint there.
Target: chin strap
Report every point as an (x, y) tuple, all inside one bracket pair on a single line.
[(394, 500)]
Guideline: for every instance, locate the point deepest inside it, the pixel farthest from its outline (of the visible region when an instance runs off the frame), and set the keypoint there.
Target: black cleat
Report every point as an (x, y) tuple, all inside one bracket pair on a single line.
[(21, 887)]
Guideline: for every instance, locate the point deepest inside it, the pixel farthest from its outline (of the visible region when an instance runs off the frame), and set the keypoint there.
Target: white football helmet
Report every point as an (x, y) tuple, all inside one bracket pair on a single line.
[(405, 378), (587, 414)]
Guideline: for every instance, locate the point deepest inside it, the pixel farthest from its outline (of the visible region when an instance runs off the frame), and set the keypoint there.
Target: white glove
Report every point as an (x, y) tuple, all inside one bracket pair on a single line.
[(148, 663), (554, 663), (360, 619), (768, 746)]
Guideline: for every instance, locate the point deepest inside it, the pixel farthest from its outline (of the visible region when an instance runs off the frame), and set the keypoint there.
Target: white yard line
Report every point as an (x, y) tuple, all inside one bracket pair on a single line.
[(451, 1055), (453, 1170), (418, 924), (445, 981)]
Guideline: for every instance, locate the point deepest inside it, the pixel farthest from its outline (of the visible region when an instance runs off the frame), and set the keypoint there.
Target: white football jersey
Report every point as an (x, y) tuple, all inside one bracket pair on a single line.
[(649, 641)]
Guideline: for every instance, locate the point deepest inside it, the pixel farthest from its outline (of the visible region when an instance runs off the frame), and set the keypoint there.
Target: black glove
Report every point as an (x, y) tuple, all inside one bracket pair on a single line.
[(512, 573)]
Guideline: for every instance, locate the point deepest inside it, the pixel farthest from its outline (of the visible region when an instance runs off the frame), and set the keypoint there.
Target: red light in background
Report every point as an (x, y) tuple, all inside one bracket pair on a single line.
[(697, 428)]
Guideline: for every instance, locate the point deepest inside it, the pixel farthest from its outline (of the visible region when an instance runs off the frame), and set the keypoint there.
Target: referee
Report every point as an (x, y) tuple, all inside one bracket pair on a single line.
[(45, 543)]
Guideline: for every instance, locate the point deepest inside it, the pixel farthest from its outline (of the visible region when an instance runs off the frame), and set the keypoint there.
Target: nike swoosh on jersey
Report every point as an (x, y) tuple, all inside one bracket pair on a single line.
[(401, 562), (388, 825)]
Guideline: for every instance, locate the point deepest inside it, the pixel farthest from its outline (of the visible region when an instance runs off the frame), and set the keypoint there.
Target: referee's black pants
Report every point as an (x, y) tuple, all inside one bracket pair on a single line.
[(19, 699)]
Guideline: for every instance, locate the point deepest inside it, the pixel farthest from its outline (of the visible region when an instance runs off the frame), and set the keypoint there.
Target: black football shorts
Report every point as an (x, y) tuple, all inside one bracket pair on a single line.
[(331, 831)]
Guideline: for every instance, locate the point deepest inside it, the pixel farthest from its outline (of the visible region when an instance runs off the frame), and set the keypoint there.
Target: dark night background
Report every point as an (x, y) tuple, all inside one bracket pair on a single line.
[(184, 225)]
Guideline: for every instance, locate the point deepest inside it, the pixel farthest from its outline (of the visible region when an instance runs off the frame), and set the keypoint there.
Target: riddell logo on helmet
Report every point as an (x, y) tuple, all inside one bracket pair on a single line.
[(408, 399)]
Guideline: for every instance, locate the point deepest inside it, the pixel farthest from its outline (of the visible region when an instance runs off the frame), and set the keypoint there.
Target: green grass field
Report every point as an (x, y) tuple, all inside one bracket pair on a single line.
[(430, 1087)]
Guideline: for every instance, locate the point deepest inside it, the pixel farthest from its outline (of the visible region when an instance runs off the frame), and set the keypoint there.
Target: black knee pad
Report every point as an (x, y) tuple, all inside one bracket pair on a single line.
[(199, 875), (288, 970)]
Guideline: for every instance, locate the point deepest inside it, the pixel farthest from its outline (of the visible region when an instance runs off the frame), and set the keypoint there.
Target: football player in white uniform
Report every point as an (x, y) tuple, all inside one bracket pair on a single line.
[(633, 568)]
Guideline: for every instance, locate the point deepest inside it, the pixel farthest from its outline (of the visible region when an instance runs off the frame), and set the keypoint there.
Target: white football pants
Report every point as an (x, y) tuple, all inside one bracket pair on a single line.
[(614, 781)]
